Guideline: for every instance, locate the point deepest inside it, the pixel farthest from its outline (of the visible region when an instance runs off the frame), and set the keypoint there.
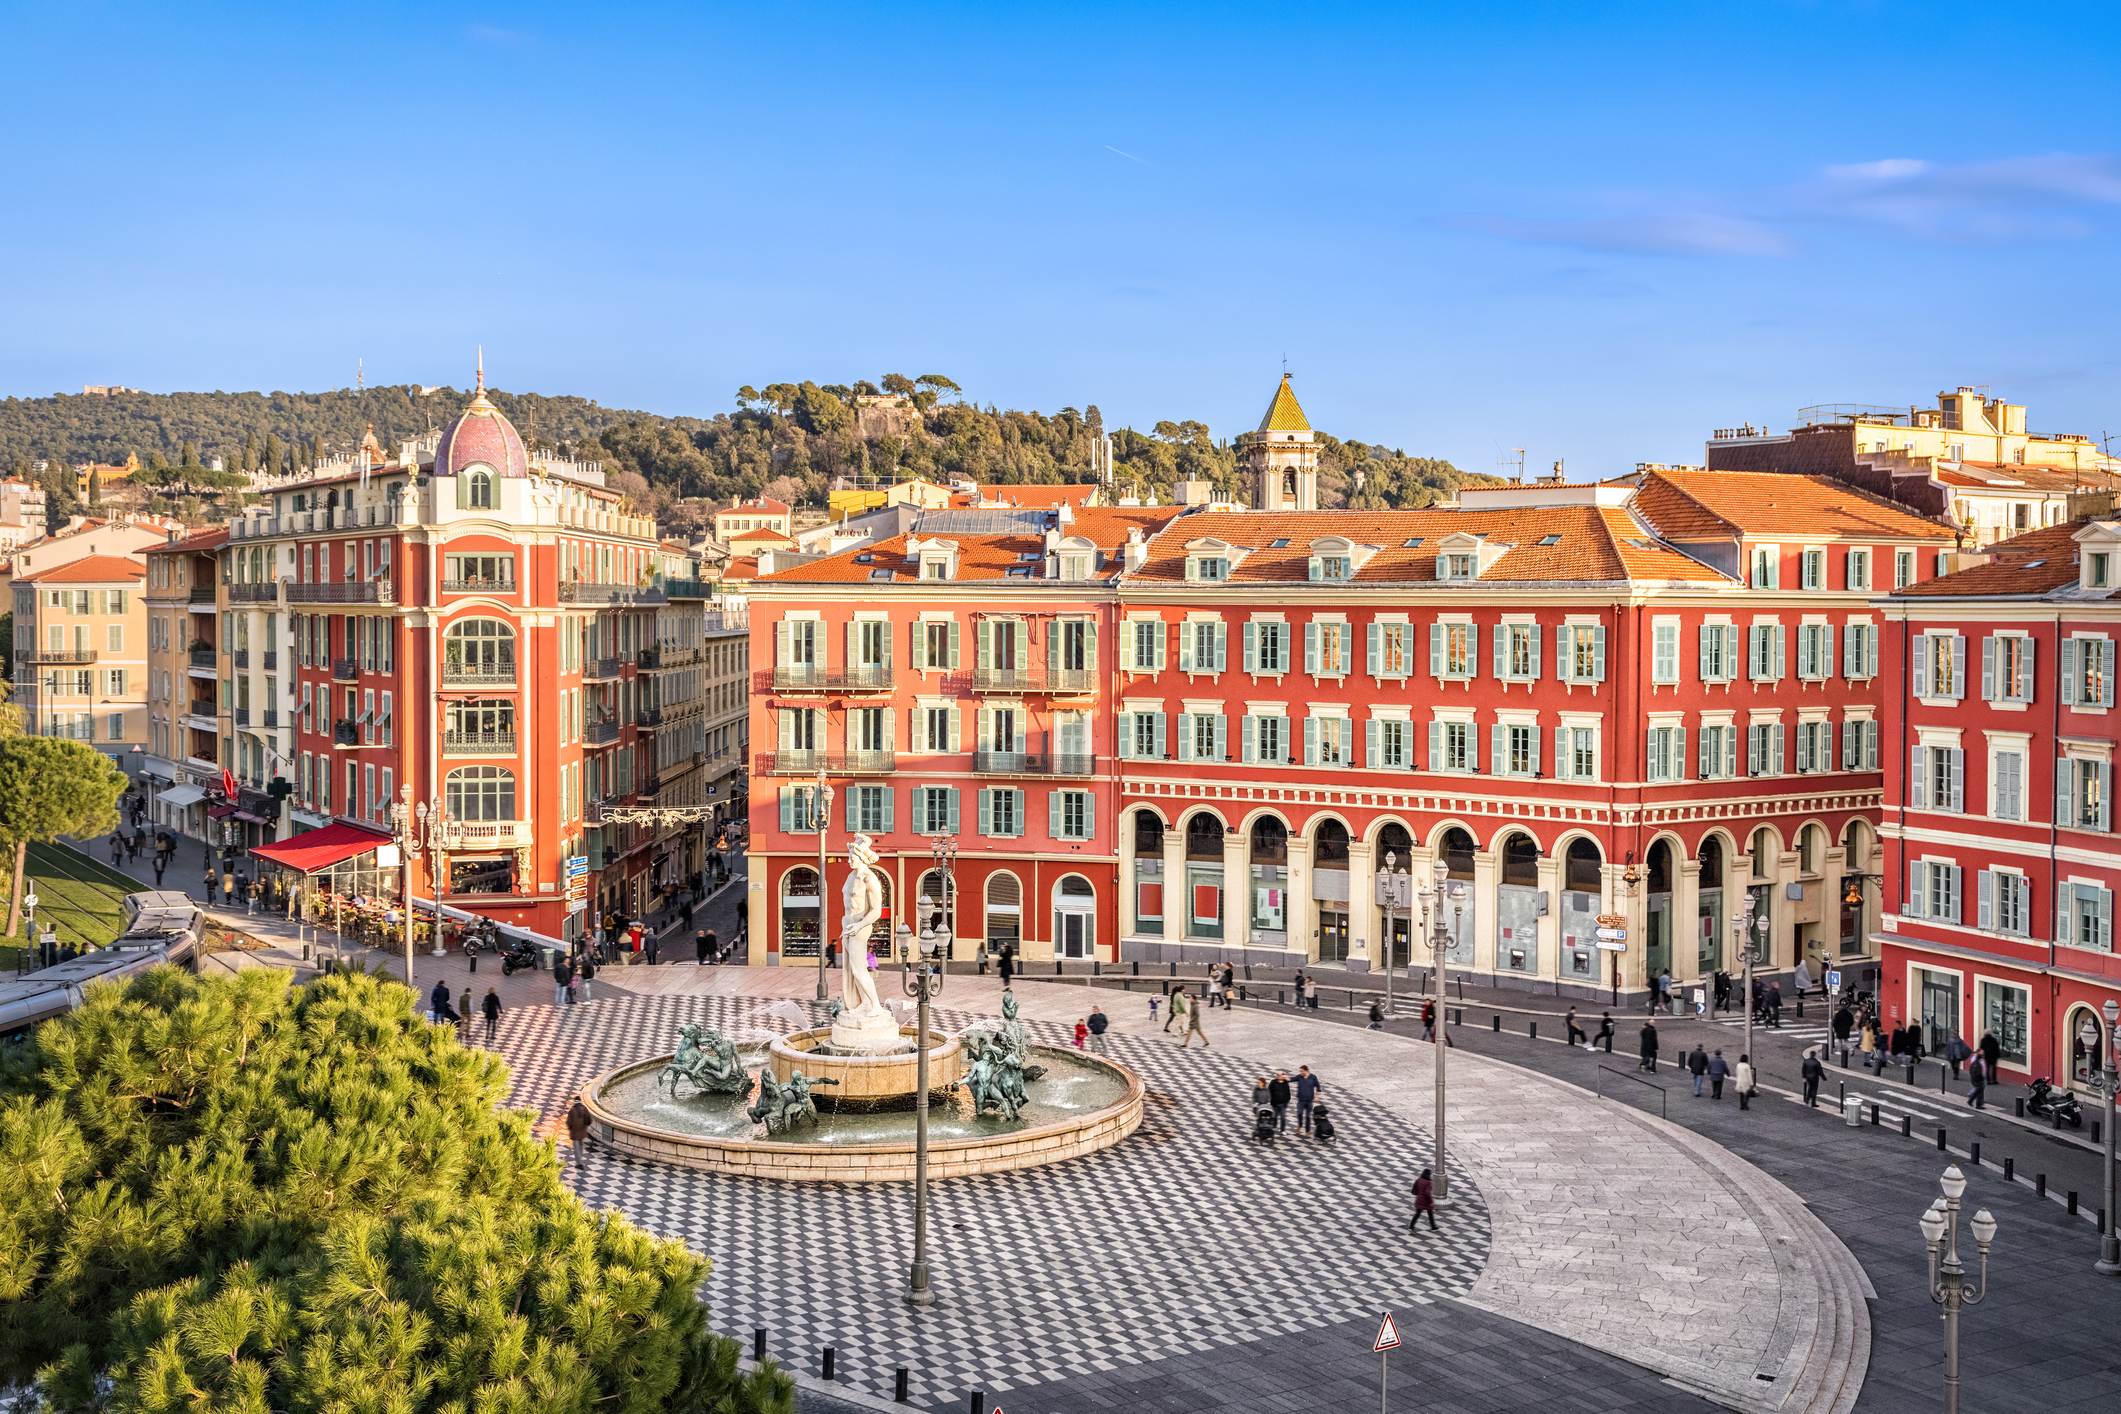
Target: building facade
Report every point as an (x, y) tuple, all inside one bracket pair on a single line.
[(1165, 733), (80, 651), (2001, 855)]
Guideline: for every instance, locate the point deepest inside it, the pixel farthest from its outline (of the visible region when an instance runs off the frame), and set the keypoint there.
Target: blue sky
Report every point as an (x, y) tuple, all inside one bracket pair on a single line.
[(1591, 231)]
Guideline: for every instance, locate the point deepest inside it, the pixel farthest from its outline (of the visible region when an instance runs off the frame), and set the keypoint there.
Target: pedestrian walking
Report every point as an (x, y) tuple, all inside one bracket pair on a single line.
[(213, 886), (1868, 1045), (159, 865), (1991, 1052), (654, 945), (491, 1007), (1723, 990), (699, 947), (1719, 1071), (1311, 993), (562, 974), (1306, 1095), (1747, 1083), (1377, 1016), (1697, 1065), (1229, 983), (1152, 1012), (1082, 1033), (1812, 1071), (1661, 994), (117, 847), (1575, 1031), (1648, 1046), (1428, 1019), (1774, 1006), (1844, 1024), (1177, 1012), (255, 893), (1299, 988), (438, 1007), (1977, 1082), (1605, 1031), (1958, 1052), (714, 945), (1214, 986), (1194, 1027), (1007, 964), (1097, 1023), (1278, 1095), (584, 975), (577, 1130), (1424, 1202)]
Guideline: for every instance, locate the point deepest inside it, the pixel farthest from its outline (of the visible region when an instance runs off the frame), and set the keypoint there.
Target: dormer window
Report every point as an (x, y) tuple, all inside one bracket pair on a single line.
[(935, 567), (1332, 568), (1074, 565), (2099, 570), (1208, 568), (1457, 566)]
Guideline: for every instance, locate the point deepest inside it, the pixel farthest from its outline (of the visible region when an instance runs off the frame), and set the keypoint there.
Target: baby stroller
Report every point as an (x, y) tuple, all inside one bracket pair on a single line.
[(1263, 1124), (1321, 1124)]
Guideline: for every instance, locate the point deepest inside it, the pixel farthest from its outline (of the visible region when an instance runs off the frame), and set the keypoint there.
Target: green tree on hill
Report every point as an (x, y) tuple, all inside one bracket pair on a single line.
[(240, 1195)]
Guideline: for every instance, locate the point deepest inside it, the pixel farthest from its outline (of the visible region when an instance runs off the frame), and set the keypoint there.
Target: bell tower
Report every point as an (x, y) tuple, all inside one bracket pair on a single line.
[(1281, 456)]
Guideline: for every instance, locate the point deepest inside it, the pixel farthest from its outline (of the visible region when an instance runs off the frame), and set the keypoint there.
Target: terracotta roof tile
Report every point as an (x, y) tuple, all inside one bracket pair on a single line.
[(92, 569), (983, 556), (2024, 566), (211, 538), (1721, 505)]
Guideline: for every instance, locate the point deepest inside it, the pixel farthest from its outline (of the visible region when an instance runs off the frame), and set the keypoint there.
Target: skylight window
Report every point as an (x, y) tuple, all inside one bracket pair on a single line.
[(1412, 543), (880, 576), (1550, 539), (865, 558), (1281, 543)]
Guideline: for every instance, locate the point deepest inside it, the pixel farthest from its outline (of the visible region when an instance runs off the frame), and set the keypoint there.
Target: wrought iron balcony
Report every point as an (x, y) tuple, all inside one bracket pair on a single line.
[(1032, 763), (473, 743), (800, 677), (601, 733), (461, 674), (602, 668), (848, 763), (343, 591), (1050, 680), (57, 657), (255, 592), (202, 595), (203, 657), (582, 591), (477, 584), (345, 733), (344, 670), (241, 657)]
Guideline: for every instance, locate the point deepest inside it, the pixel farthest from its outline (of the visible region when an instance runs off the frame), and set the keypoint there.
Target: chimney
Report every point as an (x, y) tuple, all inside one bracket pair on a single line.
[(1136, 550)]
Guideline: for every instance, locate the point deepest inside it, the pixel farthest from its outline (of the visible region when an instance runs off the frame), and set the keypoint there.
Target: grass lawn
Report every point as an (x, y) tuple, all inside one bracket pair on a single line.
[(79, 897)]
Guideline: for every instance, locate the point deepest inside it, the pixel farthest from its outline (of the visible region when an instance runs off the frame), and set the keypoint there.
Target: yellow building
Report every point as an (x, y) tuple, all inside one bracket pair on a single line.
[(105, 475), (81, 653), (1970, 460)]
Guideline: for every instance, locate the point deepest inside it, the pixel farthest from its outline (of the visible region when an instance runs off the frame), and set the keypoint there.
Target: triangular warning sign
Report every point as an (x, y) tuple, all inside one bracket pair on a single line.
[(1387, 1338)]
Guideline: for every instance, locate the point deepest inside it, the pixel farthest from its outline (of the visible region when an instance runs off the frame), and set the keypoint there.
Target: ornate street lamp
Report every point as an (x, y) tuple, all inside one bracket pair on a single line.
[(1949, 1285), (408, 826), (821, 803), (2109, 1262), (1432, 901), (1742, 932), (921, 977)]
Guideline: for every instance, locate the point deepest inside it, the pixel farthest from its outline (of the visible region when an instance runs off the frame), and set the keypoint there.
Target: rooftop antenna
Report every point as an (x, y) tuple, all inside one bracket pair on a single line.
[(360, 375)]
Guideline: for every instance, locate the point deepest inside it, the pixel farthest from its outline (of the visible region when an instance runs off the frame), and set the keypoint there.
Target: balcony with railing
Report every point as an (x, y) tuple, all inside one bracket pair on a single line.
[(201, 596), (593, 593), (602, 669), (648, 658), (343, 591), (345, 733), (497, 672), (805, 677), (832, 763), (345, 670), (263, 591), (240, 657), (1050, 680), (241, 715), (272, 718), (477, 743), (272, 660), (603, 733), (56, 657), (478, 834), (202, 656), (650, 717), (1032, 763), (478, 584)]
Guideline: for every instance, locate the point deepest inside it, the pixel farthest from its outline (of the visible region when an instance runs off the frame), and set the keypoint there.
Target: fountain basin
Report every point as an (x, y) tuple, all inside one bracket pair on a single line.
[(1084, 1104), (866, 1081)]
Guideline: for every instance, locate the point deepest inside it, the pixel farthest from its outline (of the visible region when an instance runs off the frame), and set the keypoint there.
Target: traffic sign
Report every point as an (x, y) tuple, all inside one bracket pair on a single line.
[(577, 864), (1387, 1338), (1833, 979), (1612, 920), (29, 901), (1612, 935), (1605, 945)]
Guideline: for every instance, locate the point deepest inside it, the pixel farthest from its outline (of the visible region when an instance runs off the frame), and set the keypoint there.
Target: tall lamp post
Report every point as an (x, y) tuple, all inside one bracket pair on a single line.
[(1432, 901), (1950, 1286), (2109, 1262), (409, 828), (436, 824), (1742, 932), (921, 977), (1387, 890), (821, 803)]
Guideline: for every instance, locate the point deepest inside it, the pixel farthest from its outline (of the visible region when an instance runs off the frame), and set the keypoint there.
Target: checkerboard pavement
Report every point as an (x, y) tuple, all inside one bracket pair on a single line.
[(1185, 1237)]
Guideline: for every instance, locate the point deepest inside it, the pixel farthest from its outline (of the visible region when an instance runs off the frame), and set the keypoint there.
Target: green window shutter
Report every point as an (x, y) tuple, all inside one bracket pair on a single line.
[(1053, 813), (1163, 748), (1499, 747), (1502, 651), (1535, 651), (953, 663), (957, 730), (1089, 814), (1125, 723), (985, 661), (1310, 741), (986, 810), (1185, 648), (1185, 736), (1598, 652), (1251, 648), (1222, 646), (1222, 738), (1371, 746), (847, 798), (1374, 639), (1472, 650), (787, 810), (1311, 649), (1436, 650), (1250, 743), (890, 799), (1679, 753), (1708, 652)]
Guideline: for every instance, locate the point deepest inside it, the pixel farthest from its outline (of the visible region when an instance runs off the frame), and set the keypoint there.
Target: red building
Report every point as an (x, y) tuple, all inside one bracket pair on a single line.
[(1586, 700), (469, 628), (1999, 821)]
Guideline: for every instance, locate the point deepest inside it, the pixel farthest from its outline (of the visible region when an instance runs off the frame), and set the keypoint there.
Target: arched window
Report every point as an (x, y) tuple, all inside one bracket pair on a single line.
[(1270, 881), (1456, 846), (1708, 922), (1005, 911), (1811, 844), (1582, 868), (475, 490), (799, 913), (1763, 853), (1329, 845), (479, 652), (1074, 918), (1204, 838), (1148, 874), (1520, 861), (481, 793), (1394, 840), (1582, 896), (1204, 877)]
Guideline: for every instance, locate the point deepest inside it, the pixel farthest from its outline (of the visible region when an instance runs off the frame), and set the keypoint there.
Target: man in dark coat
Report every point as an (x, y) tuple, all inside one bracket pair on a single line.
[(1649, 1046), (1812, 1070), (1278, 1097)]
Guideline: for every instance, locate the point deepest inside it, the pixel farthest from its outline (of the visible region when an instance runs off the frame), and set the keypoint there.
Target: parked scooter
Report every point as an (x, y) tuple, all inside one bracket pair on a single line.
[(518, 954), (2058, 1107)]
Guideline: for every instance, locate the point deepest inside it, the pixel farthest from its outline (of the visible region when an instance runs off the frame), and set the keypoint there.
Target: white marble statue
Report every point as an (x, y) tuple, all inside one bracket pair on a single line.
[(864, 1022)]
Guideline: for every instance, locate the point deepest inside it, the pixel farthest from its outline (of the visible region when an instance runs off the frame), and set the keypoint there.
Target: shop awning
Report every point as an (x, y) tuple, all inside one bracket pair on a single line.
[(219, 812), (321, 848), (182, 795)]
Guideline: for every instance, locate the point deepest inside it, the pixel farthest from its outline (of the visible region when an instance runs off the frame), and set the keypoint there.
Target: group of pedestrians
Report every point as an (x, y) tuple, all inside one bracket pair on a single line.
[(1271, 1099), (1714, 1069), (571, 978), (1187, 1011), (441, 1008), (1577, 1037), (1090, 1030)]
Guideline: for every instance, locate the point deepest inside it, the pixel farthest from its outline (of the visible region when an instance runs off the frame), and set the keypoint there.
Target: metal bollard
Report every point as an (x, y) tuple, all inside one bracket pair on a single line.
[(898, 1386), (1907, 1127), (1910, 1072), (758, 1343), (2010, 1170), (1137, 967), (1974, 1154), (1874, 1116), (976, 1402), (1531, 1029), (1495, 1024), (2073, 1202), (2018, 1106), (1942, 1087), (2040, 1184), (1940, 1141), (827, 1363)]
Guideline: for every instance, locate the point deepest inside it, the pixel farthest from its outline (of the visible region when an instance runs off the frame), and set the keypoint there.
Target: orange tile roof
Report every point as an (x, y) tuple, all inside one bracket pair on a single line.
[(1721, 505), (2011, 476), (1592, 544), (1043, 495), (761, 534), (757, 503), (982, 556), (211, 538), (2024, 566), (91, 569)]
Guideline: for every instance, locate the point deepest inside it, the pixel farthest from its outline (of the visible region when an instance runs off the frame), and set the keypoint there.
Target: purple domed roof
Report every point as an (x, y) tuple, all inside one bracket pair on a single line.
[(481, 434)]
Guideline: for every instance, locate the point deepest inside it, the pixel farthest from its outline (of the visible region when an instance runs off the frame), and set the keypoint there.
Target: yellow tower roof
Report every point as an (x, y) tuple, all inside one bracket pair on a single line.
[(1285, 414)]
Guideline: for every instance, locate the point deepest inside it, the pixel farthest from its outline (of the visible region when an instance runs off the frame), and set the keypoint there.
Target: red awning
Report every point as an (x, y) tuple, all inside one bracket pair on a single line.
[(321, 848)]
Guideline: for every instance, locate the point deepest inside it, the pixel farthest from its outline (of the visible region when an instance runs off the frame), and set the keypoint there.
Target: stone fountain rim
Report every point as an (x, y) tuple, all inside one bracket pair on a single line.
[(591, 1095), (946, 1043)]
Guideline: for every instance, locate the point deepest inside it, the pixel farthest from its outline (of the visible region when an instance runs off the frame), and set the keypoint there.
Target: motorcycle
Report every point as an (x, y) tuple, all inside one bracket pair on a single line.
[(2058, 1107), (518, 954)]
